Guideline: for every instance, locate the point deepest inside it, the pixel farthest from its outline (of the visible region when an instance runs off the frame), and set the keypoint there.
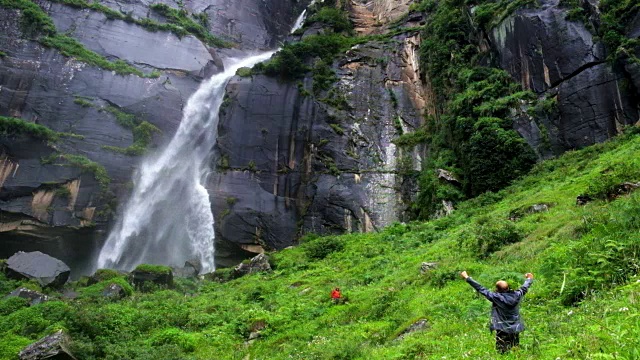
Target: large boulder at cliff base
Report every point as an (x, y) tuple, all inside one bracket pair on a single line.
[(46, 270), (50, 347), (34, 297)]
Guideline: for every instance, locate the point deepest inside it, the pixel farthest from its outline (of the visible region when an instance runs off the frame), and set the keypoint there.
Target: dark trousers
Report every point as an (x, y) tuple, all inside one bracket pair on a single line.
[(505, 341)]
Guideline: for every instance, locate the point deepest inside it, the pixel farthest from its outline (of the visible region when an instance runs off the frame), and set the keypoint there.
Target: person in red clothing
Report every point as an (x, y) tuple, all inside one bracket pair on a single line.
[(336, 296)]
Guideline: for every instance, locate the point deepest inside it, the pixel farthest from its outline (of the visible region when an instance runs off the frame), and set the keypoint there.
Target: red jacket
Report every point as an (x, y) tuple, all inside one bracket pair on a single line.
[(335, 294)]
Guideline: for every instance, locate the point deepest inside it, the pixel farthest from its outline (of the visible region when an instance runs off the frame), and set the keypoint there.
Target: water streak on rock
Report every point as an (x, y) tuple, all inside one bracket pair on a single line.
[(168, 218)]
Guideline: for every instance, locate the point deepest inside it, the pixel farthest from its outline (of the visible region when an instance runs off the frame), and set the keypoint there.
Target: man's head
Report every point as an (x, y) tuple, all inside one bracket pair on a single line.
[(502, 286)]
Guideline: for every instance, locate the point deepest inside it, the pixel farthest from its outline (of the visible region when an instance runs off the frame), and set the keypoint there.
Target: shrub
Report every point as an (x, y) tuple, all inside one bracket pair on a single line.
[(605, 256), (244, 72), (11, 304), (95, 291), (491, 234), (11, 345), (337, 19), (13, 126), (605, 185), (183, 340), (321, 247)]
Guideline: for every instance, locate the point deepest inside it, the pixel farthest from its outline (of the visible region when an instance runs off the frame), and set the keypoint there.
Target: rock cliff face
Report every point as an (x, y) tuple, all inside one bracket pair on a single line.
[(290, 163), (50, 196), (563, 60), (285, 171)]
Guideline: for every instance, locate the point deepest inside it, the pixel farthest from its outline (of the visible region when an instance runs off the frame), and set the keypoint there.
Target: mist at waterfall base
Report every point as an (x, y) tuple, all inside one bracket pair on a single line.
[(168, 219)]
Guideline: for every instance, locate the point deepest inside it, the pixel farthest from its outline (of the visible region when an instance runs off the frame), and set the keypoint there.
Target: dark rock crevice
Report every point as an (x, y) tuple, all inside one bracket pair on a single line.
[(575, 73)]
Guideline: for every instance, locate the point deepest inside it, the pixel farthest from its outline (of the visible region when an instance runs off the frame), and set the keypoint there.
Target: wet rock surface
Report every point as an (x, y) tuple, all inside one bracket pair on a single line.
[(142, 278), (40, 85), (562, 60), (46, 270), (54, 346), (34, 297), (289, 163)]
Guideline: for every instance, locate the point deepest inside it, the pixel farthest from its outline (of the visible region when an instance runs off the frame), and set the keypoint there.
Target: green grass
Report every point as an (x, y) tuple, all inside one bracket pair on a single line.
[(13, 126), (80, 161), (582, 305), (142, 132), (181, 18), (156, 269)]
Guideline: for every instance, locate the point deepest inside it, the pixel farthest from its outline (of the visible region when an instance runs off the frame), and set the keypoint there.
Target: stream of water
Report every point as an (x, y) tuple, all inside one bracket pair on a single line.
[(168, 218)]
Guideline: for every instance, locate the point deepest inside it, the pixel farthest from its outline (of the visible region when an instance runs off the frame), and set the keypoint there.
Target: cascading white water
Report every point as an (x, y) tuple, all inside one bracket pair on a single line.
[(168, 218), (302, 17), (299, 21)]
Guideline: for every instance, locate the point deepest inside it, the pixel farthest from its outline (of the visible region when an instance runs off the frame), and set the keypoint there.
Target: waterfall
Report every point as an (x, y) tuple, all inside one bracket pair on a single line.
[(299, 21), (168, 219)]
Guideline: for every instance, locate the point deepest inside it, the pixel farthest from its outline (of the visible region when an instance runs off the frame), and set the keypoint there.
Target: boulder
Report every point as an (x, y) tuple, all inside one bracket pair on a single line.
[(419, 325), (191, 269), (33, 296), (259, 263), (448, 177), (622, 189), (114, 291), (583, 199), (427, 266), (155, 274), (50, 347), (46, 270)]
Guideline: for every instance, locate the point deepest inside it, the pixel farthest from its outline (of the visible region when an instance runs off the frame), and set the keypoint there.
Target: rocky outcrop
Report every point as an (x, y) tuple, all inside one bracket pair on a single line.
[(155, 275), (563, 61), (114, 291), (289, 163), (44, 269), (60, 206), (257, 264), (370, 16), (54, 346), (34, 297), (419, 325)]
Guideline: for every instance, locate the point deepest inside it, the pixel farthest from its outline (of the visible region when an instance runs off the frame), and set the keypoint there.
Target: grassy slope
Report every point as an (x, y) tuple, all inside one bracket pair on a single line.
[(594, 245)]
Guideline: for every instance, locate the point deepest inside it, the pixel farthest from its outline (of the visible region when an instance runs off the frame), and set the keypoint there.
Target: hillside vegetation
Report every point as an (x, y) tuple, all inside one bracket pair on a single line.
[(583, 304)]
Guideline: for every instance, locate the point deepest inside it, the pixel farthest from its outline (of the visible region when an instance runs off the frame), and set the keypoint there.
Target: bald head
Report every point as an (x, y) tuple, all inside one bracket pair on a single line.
[(502, 286)]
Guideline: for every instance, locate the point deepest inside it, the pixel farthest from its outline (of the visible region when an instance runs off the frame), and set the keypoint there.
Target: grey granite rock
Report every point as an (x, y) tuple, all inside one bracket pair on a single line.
[(46, 270)]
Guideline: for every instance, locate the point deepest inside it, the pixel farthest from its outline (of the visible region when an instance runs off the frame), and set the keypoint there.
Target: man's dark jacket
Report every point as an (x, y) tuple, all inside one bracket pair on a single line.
[(505, 313)]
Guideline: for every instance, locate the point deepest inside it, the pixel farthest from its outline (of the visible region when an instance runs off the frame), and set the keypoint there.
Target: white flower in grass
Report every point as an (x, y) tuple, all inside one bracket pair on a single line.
[(623, 309)]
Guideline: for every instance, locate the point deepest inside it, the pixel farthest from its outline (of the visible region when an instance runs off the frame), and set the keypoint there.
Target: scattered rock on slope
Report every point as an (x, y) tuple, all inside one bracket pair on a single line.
[(33, 296), (46, 270), (50, 347)]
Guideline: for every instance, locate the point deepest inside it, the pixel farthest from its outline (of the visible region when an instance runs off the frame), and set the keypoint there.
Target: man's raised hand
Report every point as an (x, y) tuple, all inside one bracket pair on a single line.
[(528, 275), (464, 275)]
